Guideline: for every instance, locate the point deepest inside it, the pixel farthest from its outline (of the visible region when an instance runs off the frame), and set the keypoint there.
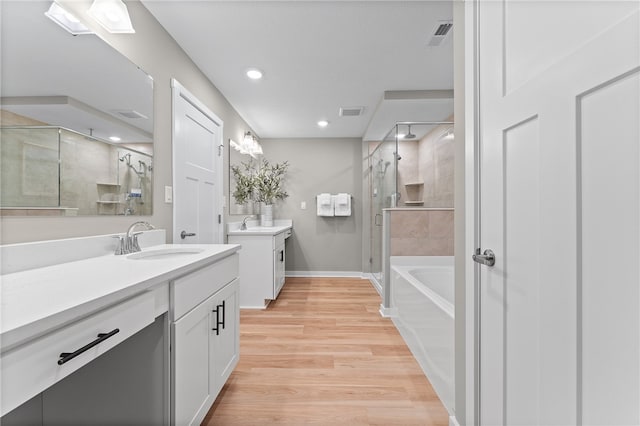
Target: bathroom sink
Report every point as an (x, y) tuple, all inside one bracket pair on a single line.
[(164, 254)]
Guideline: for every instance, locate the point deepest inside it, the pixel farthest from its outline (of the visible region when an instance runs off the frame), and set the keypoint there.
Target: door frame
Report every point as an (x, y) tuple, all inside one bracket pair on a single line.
[(179, 91), (466, 129)]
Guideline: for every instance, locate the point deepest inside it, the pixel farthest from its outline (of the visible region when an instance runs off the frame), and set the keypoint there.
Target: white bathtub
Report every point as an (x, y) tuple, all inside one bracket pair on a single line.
[(422, 291)]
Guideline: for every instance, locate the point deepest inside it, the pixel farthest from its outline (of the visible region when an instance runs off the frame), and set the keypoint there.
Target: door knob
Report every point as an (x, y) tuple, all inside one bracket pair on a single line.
[(487, 258), (185, 234)]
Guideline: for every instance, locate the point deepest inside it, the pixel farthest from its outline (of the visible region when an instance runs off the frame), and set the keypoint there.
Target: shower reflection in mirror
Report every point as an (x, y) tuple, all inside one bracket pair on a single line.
[(49, 170)]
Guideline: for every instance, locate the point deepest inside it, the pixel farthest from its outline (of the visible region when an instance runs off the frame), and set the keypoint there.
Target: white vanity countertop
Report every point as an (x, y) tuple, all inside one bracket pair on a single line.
[(35, 301), (254, 228)]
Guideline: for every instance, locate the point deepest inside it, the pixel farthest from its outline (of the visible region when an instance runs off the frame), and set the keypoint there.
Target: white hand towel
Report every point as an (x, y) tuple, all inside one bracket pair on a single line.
[(343, 205), (325, 204)]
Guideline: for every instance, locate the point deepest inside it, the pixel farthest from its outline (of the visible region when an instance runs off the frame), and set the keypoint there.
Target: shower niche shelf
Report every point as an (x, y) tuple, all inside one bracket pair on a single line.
[(108, 198), (414, 193)]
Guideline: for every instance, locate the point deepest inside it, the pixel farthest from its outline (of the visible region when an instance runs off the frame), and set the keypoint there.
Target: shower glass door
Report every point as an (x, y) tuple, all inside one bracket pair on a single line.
[(382, 182)]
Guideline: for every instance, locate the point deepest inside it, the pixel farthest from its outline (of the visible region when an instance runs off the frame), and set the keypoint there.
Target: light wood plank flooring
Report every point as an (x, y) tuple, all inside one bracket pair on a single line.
[(322, 354)]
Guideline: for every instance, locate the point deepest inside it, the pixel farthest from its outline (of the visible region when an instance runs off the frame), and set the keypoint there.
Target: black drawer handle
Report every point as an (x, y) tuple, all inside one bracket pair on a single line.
[(224, 314), (218, 322), (68, 356)]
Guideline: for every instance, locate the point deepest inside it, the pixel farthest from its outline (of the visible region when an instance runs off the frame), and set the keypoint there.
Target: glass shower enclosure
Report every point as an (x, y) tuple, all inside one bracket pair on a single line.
[(394, 182), (383, 166)]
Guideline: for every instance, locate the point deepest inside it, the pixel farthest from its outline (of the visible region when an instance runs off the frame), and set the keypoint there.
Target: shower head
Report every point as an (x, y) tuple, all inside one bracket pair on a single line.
[(127, 157), (409, 135)]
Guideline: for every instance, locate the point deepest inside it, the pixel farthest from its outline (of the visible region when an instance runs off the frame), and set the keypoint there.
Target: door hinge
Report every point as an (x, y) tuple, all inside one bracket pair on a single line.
[(371, 260), (220, 148), (219, 218)]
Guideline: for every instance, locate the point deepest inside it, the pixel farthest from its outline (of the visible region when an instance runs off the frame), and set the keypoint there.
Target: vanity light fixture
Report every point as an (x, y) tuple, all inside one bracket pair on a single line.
[(254, 74), (323, 123), (257, 149), (248, 141), (249, 145), (66, 20), (112, 15)]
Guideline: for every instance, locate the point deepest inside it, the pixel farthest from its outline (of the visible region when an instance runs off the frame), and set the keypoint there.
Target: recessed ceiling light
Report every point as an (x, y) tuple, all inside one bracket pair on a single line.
[(254, 74), (114, 139), (400, 135), (323, 123), (113, 15), (66, 20)]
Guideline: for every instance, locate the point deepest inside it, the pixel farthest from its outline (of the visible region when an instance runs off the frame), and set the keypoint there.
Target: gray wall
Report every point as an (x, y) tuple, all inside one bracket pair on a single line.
[(316, 166), (153, 50)]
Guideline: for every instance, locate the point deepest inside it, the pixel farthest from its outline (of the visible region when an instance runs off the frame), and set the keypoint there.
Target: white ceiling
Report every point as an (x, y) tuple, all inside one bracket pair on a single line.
[(318, 56)]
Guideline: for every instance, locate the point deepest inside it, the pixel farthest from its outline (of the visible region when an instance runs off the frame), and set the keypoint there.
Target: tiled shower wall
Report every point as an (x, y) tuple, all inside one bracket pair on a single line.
[(429, 161), (436, 155), (421, 232)]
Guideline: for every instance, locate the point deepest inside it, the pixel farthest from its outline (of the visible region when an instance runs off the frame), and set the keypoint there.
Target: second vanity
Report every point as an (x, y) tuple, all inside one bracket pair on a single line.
[(148, 338), (262, 260)]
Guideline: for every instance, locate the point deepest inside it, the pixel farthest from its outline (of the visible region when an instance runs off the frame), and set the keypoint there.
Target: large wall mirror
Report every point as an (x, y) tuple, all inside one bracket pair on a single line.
[(76, 118), (244, 158)]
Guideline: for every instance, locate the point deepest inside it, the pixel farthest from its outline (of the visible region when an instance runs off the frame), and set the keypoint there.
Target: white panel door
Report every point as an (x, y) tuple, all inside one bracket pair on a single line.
[(197, 164), (559, 118)]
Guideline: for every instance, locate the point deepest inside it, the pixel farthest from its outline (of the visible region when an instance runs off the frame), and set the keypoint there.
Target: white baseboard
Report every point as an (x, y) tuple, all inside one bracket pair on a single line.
[(374, 282), (453, 421), (388, 312), (327, 274)]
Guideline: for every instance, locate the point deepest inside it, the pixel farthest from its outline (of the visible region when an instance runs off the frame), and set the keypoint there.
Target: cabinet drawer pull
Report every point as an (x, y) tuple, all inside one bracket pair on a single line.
[(68, 356), (218, 322), (223, 315), (217, 311)]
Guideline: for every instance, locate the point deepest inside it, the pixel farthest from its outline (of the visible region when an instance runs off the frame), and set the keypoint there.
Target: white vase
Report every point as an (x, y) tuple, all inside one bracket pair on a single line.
[(266, 215)]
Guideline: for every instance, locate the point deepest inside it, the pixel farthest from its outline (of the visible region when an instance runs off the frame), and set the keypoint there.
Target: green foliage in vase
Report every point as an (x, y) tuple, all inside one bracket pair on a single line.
[(245, 179), (269, 182)]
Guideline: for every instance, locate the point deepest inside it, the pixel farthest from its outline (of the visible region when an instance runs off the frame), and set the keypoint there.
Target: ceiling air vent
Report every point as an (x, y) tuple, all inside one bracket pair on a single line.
[(351, 111), (440, 32), (129, 113)]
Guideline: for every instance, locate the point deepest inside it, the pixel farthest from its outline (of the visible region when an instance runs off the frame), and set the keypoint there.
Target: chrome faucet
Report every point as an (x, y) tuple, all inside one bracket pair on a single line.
[(128, 243), (243, 227)]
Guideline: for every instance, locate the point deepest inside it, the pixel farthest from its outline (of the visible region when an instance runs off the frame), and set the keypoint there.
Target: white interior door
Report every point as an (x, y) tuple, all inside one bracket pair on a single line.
[(197, 171), (559, 114)]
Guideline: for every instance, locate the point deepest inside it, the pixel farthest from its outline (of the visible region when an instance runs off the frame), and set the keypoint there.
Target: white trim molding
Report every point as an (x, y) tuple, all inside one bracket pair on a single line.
[(327, 274)]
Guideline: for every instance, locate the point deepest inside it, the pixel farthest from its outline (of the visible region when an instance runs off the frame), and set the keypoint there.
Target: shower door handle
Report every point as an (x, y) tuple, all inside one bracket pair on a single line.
[(375, 219), (487, 258)]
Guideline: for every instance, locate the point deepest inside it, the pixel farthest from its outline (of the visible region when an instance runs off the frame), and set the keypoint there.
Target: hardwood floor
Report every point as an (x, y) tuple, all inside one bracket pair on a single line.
[(322, 354)]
